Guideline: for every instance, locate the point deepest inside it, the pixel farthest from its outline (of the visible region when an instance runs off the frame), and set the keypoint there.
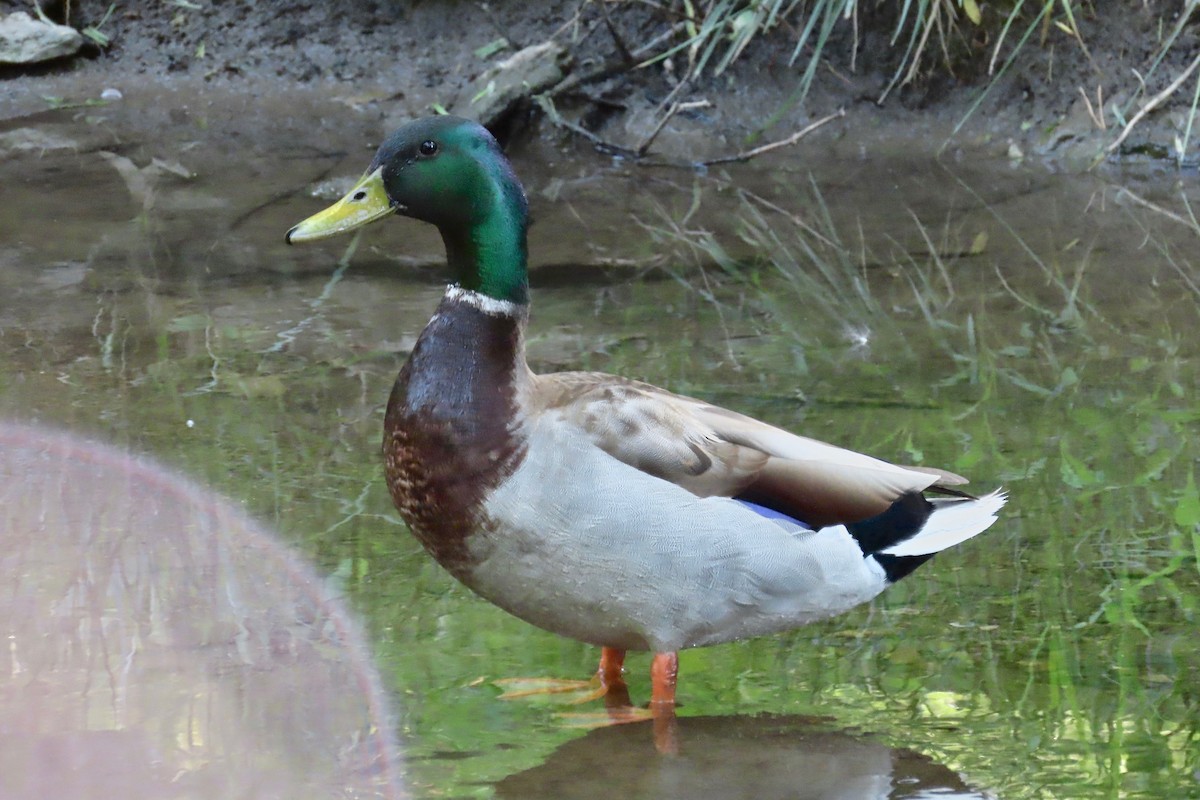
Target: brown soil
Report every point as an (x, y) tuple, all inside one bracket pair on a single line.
[(404, 57)]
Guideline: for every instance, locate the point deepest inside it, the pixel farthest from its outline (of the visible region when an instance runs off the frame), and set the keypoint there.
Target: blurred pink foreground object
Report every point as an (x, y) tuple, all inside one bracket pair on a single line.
[(157, 643)]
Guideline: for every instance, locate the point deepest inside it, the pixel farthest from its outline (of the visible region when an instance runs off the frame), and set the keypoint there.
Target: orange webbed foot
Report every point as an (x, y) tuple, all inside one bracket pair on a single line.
[(608, 682)]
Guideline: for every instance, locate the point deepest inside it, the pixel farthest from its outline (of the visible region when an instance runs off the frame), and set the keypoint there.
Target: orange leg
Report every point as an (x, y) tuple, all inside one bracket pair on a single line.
[(664, 672), (611, 675), (612, 667), (666, 732)]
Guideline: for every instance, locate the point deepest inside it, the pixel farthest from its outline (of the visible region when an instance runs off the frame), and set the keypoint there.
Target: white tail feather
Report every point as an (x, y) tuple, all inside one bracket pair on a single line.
[(950, 524)]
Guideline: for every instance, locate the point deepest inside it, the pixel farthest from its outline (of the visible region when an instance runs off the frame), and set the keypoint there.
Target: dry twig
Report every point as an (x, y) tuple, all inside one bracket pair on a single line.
[(1153, 103), (675, 108), (1171, 215), (746, 155), (1096, 112)]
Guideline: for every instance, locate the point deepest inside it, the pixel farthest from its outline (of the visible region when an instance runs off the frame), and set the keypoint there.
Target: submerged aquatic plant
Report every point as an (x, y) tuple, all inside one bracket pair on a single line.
[(1077, 656)]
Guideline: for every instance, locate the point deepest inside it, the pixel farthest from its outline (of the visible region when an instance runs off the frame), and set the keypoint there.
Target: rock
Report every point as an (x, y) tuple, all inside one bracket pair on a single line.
[(25, 40), (523, 74)]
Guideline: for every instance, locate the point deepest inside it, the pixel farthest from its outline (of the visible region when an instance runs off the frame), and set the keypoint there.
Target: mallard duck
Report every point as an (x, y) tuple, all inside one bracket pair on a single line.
[(601, 508)]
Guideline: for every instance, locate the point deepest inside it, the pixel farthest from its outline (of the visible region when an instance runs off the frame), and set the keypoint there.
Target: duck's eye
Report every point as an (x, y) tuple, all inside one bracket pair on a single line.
[(428, 147)]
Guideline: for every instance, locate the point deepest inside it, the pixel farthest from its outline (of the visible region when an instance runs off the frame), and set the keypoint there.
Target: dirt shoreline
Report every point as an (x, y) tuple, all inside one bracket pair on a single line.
[(400, 61)]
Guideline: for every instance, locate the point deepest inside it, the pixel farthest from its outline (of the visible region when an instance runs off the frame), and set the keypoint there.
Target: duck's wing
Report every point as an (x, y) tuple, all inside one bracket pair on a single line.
[(710, 450)]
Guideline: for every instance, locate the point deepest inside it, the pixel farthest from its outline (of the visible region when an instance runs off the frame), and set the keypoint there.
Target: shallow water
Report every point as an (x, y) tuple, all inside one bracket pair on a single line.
[(1024, 328)]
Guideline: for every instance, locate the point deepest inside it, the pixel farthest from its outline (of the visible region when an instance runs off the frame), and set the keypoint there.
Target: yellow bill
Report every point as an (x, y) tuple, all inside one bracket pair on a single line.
[(366, 202)]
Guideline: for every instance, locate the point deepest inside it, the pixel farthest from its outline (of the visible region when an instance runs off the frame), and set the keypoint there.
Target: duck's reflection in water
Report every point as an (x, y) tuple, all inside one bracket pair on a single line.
[(158, 644), (730, 758)]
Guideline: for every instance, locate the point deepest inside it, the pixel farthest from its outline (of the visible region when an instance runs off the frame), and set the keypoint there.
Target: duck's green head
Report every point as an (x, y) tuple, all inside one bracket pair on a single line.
[(451, 173)]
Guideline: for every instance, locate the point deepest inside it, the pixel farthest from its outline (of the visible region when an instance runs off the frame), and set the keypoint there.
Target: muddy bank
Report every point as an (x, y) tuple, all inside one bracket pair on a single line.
[(189, 175), (1064, 99)]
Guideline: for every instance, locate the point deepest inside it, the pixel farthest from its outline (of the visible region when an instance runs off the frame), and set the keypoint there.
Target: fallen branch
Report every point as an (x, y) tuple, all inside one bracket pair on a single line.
[(610, 67), (546, 103)]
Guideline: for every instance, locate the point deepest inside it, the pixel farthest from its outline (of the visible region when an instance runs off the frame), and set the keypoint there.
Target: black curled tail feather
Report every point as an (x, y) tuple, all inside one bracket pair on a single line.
[(902, 520), (896, 567)]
